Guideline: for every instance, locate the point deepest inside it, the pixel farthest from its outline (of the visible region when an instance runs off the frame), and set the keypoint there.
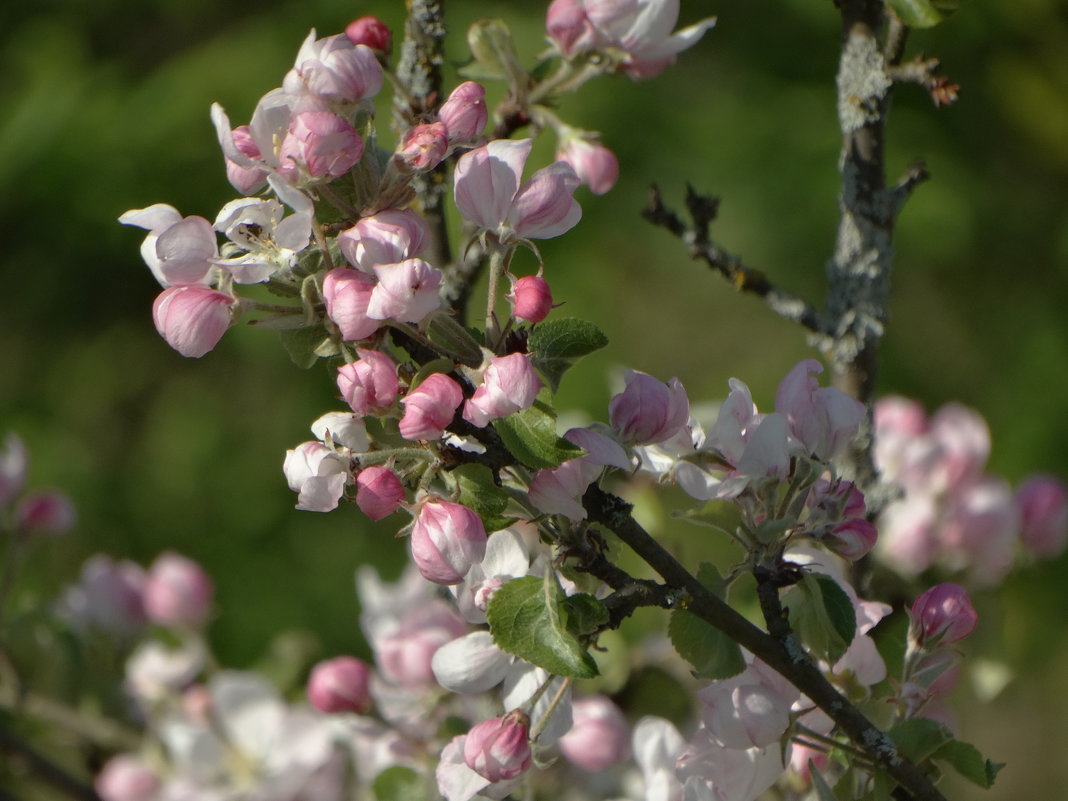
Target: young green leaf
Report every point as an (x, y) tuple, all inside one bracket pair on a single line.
[(712, 653), (400, 784), (822, 615), (479, 493), (527, 617), (531, 437), (968, 762), (303, 344), (555, 346)]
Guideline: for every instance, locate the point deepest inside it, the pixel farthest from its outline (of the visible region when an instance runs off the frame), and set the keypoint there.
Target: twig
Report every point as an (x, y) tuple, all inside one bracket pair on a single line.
[(702, 210), (795, 665)]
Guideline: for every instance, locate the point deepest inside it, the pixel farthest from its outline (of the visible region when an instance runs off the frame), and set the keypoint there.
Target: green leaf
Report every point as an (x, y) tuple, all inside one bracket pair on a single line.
[(555, 346), (443, 330), (480, 493), (527, 618), (494, 53), (531, 437), (919, 738), (923, 13), (400, 784), (968, 762), (585, 614), (712, 653), (436, 366), (303, 344), (822, 615)]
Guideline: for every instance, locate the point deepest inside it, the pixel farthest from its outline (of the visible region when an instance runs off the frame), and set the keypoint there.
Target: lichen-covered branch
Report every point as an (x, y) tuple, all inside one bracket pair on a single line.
[(702, 210), (614, 514)]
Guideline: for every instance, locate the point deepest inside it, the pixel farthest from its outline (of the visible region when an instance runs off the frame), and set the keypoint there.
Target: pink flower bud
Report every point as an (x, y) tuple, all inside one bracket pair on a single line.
[(406, 291), (379, 493), (334, 69), (370, 31), (465, 114), (979, 529), (246, 179), (50, 512), (569, 27), (531, 298), (852, 538), (347, 294), (447, 540), (424, 146), (390, 236), (823, 419), (405, 654), (648, 411), (509, 385), (14, 465), (499, 749), (430, 407), (942, 615), (599, 736), (192, 318), (341, 684), (1042, 501), (108, 596), (369, 383), (126, 778), (321, 143), (964, 442), (595, 165), (177, 591)]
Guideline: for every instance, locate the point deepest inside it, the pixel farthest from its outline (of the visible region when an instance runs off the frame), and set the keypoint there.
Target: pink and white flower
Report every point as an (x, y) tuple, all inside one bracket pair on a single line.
[(192, 318), (509, 385)]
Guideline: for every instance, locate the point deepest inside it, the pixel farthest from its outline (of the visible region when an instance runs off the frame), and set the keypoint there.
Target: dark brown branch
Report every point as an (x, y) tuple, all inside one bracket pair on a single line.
[(702, 210), (786, 657)]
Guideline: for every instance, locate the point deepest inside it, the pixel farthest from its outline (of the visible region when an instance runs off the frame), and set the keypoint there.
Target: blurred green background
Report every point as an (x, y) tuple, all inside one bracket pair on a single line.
[(104, 107)]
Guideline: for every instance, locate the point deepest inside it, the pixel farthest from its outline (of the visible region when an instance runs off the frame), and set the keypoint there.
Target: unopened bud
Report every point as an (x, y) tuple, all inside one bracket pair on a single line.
[(370, 31), (347, 293), (595, 165), (192, 318), (447, 539), (532, 298), (177, 591), (424, 146), (649, 411), (941, 615), (430, 407), (599, 737), (379, 493), (341, 684), (1042, 501), (499, 749), (126, 778), (464, 114), (50, 512)]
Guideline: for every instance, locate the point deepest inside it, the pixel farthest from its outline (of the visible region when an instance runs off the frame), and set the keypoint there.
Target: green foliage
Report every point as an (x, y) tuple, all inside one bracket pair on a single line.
[(923, 13), (555, 346), (480, 493), (712, 653), (528, 618), (822, 615), (400, 784), (921, 739), (443, 330), (531, 437), (305, 346)]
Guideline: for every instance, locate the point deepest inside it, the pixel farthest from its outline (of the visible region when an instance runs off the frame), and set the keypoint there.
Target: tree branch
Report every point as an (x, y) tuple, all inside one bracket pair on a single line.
[(786, 657), (702, 210)]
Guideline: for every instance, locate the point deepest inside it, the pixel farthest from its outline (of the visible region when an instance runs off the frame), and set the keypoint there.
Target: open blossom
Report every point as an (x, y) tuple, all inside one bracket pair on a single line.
[(178, 250), (192, 318), (246, 178), (822, 419), (594, 164), (319, 144), (489, 192), (318, 474), (404, 648), (406, 291), (509, 385), (334, 69), (387, 237), (649, 410), (750, 709)]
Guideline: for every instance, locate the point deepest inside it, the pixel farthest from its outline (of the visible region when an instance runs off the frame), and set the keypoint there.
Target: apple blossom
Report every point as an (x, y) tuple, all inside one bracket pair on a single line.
[(509, 385), (192, 318), (424, 146), (334, 69), (246, 178), (1042, 501), (347, 293), (464, 113), (599, 737), (178, 250), (822, 419), (126, 777), (750, 709), (14, 466), (430, 407), (369, 383), (406, 291), (341, 684), (318, 474), (379, 493), (48, 511), (942, 615), (570, 28), (488, 192), (370, 31), (387, 237), (404, 648), (648, 410), (177, 591), (595, 165), (319, 144), (447, 539), (531, 298), (108, 596), (498, 749)]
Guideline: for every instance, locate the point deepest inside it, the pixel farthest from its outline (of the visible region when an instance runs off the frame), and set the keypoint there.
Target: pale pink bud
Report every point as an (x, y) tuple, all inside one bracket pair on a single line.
[(465, 114), (370, 31), (192, 318), (379, 493), (14, 465), (599, 736), (177, 591), (1042, 501), (405, 655), (447, 540), (321, 143), (109, 595), (406, 291), (246, 179), (531, 298), (980, 527), (424, 146), (509, 385), (347, 294), (910, 534), (852, 538), (50, 512), (648, 411), (569, 27), (390, 236), (126, 778), (498, 749), (341, 684), (317, 474), (964, 441), (334, 69), (823, 419), (368, 384), (595, 165), (430, 407), (942, 615)]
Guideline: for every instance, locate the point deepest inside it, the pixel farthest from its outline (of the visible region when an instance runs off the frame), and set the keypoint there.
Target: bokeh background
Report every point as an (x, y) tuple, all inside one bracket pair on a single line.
[(104, 107)]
